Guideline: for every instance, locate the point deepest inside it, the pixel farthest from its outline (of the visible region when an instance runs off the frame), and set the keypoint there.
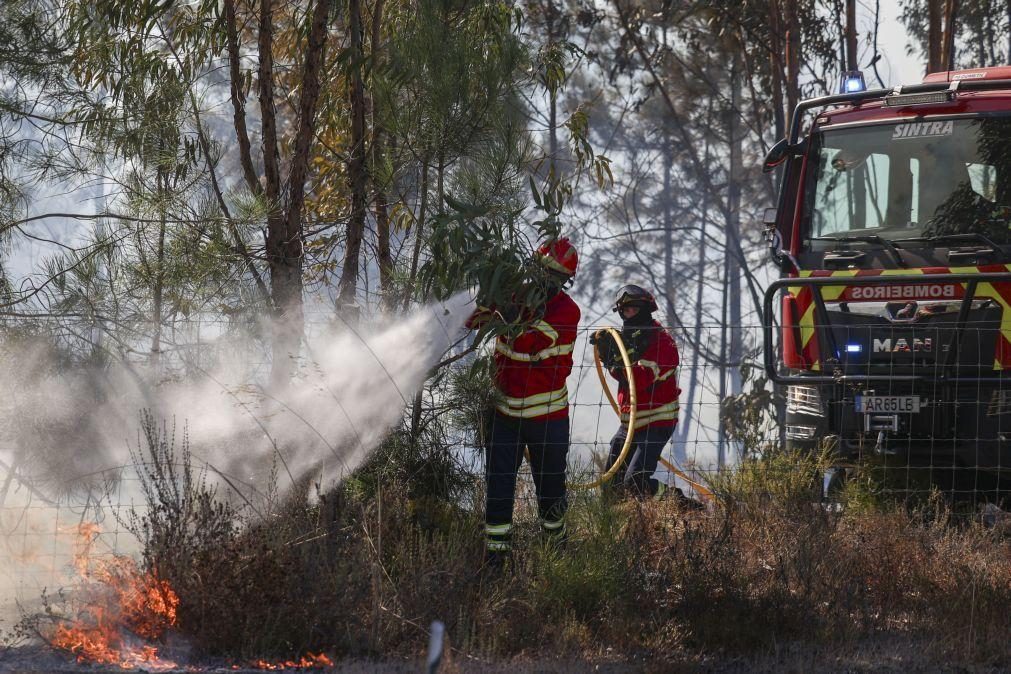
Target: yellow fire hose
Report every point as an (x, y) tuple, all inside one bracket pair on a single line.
[(702, 490), (606, 477)]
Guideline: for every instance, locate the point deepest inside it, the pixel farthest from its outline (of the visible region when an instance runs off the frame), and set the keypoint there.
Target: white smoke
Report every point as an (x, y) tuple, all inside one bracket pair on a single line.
[(66, 435)]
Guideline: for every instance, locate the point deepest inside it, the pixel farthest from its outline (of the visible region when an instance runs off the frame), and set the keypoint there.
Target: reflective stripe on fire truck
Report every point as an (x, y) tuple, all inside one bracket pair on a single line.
[(560, 350), (1002, 350), (643, 418), (535, 405), (806, 306)]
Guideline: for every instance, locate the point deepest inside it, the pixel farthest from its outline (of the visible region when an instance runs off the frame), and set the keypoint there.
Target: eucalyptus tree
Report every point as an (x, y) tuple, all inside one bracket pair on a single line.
[(963, 34), (694, 94), (123, 59)]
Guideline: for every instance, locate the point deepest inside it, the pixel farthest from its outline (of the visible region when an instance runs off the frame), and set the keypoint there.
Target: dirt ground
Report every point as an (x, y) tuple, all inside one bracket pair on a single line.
[(878, 657)]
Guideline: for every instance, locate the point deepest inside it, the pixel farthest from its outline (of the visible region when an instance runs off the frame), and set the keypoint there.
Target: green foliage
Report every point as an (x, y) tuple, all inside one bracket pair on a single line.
[(590, 580), (749, 416), (790, 479)]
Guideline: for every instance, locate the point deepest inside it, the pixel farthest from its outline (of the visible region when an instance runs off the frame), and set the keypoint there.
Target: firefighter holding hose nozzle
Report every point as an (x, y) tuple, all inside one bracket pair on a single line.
[(654, 358), (532, 410)]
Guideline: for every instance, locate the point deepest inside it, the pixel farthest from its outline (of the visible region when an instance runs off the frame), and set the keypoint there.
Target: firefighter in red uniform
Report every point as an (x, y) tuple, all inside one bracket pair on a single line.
[(533, 405), (654, 358)]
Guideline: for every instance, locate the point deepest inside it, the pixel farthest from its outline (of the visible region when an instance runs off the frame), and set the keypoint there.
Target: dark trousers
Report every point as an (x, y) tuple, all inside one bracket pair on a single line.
[(635, 476), (548, 442)]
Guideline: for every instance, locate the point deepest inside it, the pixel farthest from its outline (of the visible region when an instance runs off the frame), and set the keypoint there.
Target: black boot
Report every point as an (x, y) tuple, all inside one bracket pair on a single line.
[(554, 538), (684, 502)]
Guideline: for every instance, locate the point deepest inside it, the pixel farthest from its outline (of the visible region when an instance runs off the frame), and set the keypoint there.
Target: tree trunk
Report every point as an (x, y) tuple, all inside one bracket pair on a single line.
[(793, 47), (934, 36), (780, 115), (419, 224), (159, 294), (721, 451), (948, 41), (851, 35), (379, 153), (383, 234), (734, 263), (347, 300), (550, 13), (284, 285), (284, 225)]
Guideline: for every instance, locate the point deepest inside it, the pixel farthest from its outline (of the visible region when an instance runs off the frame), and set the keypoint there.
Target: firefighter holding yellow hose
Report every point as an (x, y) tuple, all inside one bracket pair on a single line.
[(654, 357)]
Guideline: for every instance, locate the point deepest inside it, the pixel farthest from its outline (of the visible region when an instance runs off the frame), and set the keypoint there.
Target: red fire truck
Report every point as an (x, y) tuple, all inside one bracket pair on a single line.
[(893, 234)]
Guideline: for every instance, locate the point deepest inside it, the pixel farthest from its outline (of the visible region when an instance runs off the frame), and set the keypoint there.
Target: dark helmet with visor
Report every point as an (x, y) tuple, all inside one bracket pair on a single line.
[(634, 296)]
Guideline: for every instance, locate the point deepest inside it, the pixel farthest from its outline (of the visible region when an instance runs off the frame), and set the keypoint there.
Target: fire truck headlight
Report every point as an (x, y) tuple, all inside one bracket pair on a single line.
[(803, 399), (854, 348), (800, 432), (852, 82)]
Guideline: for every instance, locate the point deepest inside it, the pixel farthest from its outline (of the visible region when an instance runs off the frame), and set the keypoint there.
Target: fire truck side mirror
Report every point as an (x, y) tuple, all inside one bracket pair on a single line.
[(769, 217), (777, 155)]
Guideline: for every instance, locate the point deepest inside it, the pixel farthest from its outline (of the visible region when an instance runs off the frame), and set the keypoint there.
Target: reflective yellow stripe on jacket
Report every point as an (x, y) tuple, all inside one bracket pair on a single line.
[(543, 354), (643, 418), (655, 368), (535, 405)]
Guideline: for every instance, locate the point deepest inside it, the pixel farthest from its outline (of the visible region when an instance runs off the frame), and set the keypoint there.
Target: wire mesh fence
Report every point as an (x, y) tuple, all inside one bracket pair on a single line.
[(910, 431)]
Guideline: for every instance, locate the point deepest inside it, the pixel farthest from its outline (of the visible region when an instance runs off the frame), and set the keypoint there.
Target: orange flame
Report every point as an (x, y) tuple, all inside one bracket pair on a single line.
[(308, 661), (124, 601), (126, 607)]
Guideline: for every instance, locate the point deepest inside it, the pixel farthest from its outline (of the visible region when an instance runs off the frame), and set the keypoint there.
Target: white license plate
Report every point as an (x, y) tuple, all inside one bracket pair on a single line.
[(888, 404)]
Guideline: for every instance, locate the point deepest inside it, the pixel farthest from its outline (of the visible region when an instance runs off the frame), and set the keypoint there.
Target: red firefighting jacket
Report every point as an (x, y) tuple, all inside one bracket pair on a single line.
[(656, 388), (531, 368)]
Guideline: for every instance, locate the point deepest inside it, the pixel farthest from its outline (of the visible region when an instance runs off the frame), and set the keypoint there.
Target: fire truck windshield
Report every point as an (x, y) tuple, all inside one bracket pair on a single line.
[(916, 179)]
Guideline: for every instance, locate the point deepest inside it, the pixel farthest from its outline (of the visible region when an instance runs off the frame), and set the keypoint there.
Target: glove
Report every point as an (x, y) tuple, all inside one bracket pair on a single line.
[(607, 348), (479, 318)]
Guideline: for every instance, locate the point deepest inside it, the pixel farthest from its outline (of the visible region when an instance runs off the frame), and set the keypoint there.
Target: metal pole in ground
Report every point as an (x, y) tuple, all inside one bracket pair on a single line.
[(435, 639)]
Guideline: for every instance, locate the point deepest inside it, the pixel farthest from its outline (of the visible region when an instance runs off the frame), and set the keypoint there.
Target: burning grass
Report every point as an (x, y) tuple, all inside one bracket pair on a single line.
[(361, 572)]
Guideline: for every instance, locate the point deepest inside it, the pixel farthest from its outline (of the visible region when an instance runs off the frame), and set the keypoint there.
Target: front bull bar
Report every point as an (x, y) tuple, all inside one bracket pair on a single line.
[(772, 368)]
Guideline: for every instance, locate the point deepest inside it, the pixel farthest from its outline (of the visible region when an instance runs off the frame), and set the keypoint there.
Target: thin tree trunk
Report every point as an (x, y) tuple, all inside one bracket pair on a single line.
[(851, 35), (419, 225), (347, 302), (383, 233), (379, 153), (776, 67), (159, 284), (793, 47), (736, 175), (934, 36), (948, 42), (721, 456), (553, 95), (238, 98)]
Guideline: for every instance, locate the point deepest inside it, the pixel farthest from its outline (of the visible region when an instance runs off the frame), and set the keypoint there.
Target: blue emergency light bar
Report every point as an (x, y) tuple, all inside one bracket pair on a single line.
[(852, 82)]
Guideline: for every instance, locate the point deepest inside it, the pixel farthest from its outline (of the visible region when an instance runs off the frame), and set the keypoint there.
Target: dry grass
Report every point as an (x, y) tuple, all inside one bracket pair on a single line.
[(364, 572)]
